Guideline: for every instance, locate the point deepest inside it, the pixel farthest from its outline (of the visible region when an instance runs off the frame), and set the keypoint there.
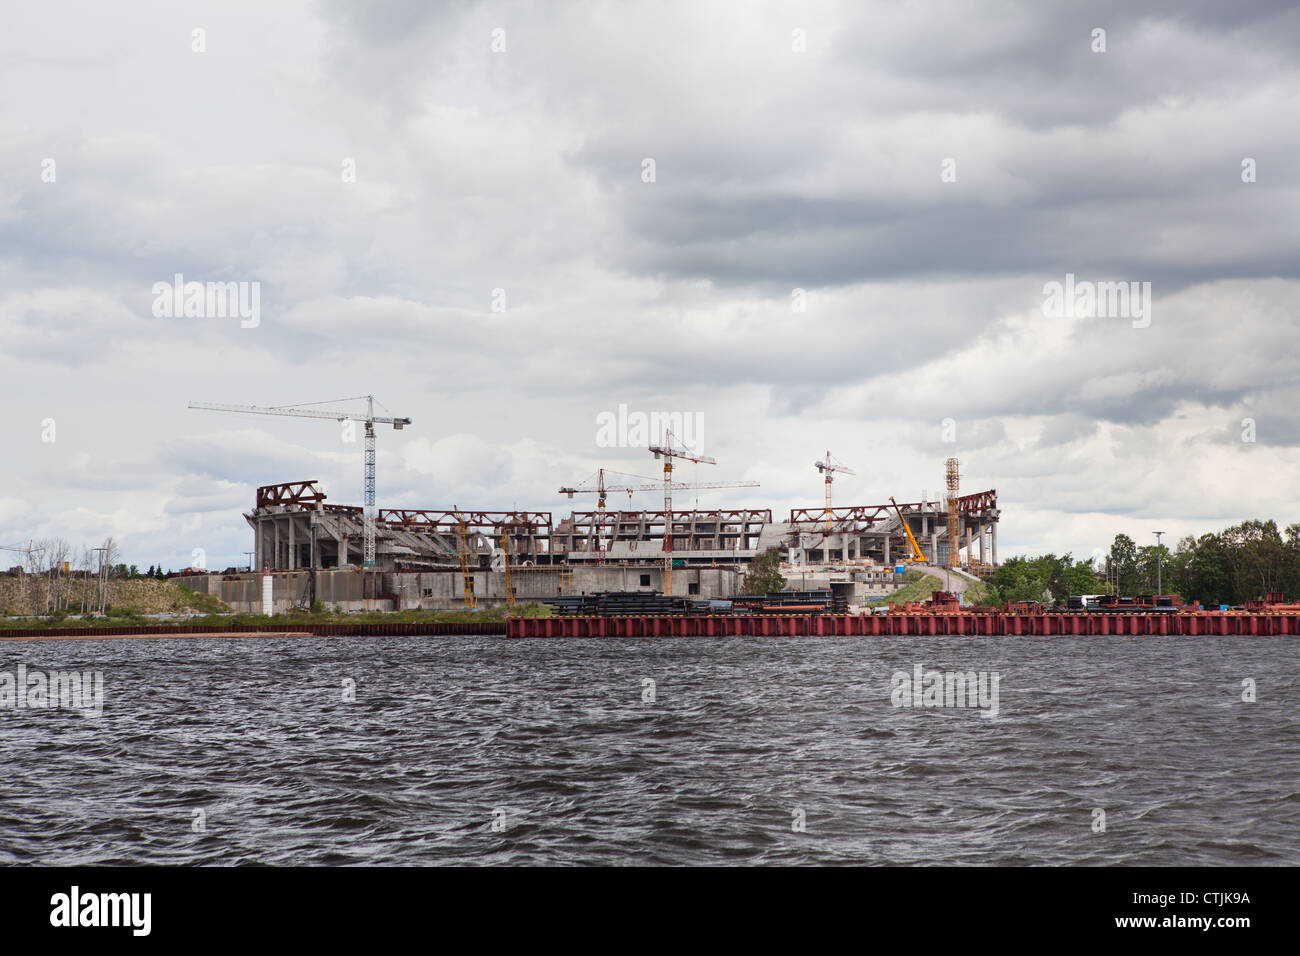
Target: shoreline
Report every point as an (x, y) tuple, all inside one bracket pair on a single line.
[(282, 629), (45, 636)]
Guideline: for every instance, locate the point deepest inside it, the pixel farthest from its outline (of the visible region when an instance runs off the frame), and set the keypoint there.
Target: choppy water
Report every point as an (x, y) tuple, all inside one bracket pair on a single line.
[(553, 741)]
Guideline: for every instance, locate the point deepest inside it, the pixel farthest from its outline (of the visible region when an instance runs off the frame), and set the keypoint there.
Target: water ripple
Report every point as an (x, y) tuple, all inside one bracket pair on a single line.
[(478, 750)]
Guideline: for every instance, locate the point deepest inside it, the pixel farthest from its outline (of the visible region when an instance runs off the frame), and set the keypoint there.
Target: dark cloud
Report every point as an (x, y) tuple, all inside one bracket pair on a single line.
[(775, 170)]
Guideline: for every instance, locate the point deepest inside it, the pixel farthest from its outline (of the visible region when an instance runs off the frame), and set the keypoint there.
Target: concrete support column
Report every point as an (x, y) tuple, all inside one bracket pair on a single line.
[(983, 532), (293, 550), (275, 553), (887, 561), (970, 541), (993, 534), (934, 547)]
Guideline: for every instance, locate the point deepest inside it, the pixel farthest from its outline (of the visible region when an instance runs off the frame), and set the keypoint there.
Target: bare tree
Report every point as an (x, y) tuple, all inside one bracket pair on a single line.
[(32, 569), (87, 566), (47, 566), (60, 561), (109, 555)]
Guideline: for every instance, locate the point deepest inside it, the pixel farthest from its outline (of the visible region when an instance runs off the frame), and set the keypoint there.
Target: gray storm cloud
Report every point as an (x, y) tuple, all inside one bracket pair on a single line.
[(778, 169)]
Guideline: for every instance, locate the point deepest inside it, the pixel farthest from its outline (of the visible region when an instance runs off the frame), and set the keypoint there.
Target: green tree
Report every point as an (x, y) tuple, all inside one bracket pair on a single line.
[(1020, 579), (1123, 563), (1209, 578), (1045, 578), (764, 574), (1081, 578), (1148, 571), (1256, 558), (1178, 568), (1291, 577)]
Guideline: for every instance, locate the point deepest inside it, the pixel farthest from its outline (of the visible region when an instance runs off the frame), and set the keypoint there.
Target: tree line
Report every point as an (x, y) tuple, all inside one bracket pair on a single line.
[(1233, 566), (56, 576)]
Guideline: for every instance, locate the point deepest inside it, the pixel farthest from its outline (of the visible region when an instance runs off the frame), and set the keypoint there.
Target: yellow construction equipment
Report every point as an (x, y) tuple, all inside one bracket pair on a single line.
[(505, 554), (917, 554), (466, 577)]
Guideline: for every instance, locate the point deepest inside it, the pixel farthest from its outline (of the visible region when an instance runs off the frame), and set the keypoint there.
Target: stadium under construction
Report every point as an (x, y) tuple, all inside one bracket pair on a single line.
[(308, 550)]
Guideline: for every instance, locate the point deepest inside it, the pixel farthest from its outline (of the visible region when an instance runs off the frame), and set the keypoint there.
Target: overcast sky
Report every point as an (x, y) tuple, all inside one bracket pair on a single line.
[(922, 170)]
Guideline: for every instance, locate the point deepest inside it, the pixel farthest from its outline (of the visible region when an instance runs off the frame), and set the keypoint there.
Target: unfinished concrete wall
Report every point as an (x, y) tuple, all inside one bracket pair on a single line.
[(349, 589)]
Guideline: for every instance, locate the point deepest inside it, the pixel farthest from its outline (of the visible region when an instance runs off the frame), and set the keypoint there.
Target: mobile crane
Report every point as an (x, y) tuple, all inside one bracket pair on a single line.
[(917, 554)]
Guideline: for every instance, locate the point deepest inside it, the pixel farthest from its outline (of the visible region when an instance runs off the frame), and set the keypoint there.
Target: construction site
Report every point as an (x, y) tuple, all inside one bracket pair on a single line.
[(308, 551)]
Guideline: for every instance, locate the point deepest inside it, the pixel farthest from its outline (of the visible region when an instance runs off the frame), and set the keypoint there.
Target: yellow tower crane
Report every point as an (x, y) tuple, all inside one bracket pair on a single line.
[(669, 450), (463, 546), (505, 554), (954, 517), (829, 467)]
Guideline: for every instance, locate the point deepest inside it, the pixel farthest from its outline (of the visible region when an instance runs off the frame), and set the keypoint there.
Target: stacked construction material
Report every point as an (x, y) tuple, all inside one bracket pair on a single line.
[(822, 601), (616, 603), (613, 603)]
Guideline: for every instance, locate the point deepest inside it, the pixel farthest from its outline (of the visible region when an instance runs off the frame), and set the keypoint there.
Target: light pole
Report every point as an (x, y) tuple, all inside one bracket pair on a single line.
[(1157, 534)]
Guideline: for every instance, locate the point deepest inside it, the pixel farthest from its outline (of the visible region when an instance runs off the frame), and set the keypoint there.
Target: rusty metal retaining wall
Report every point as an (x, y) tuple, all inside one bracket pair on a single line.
[(1204, 623), (1211, 623)]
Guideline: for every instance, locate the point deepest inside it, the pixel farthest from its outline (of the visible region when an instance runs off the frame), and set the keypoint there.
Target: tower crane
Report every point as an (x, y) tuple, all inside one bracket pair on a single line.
[(917, 554), (668, 451), (505, 566), (370, 419), (954, 528), (462, 546), (829, 467), (603, 489)]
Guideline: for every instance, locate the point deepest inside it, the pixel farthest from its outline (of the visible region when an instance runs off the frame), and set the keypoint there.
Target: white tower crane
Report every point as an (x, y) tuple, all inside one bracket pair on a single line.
[(370, 419), (668, 451)]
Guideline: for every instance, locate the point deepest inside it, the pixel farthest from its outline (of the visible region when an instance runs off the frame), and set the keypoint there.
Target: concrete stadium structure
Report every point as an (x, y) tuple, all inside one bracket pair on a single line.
[(311, 550)]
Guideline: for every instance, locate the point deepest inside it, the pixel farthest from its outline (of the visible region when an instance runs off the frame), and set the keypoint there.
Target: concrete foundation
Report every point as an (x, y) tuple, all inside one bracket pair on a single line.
[(350, 589)]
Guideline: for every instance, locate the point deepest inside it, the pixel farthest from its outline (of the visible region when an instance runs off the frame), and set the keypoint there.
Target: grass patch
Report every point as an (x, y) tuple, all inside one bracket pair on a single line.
[(117, 617), (919, 587), (977, 592)]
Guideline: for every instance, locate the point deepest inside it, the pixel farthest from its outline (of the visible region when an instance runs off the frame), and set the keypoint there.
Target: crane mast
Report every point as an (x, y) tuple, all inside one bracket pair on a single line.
[(505, 566), (368, 505), (829, 467), (467, 580), (954, 487), (602, 489), (369, 418), (668, 451)]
